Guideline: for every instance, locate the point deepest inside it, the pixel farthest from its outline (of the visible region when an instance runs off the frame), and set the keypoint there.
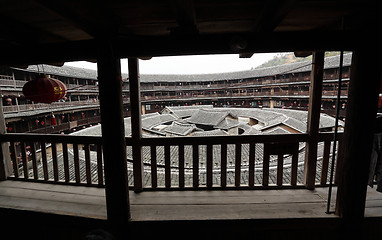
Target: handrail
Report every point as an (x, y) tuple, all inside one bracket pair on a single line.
[(55, 138), (55, 105), (161, 141)]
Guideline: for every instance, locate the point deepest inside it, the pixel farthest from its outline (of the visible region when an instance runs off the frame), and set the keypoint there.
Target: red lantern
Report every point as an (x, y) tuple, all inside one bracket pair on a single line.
[(44, 90), (9, 101)]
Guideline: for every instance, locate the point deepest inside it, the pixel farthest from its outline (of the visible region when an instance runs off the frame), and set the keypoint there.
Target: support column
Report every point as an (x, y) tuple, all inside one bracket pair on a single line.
[(136, 123), (5, 159), (113, 133), (359, 129), (315, 94)]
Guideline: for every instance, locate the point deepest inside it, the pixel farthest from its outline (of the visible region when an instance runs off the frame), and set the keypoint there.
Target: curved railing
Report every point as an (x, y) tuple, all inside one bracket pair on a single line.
[(175, 162)]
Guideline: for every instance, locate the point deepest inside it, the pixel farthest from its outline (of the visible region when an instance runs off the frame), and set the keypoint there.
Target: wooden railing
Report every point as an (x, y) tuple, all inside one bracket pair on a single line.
[(218, 162), (252, 161), (51, 106), (228, 94), (56, 158)]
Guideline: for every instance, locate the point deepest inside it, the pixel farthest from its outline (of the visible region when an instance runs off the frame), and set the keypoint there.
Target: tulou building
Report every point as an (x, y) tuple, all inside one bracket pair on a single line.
[(284, 86), (274, 153)]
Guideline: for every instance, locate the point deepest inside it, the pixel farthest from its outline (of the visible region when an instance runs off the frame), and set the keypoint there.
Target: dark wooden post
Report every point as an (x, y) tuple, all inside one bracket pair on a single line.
[(136, 125), (113, 133), (315, 94), (361, 112), (5, 159)]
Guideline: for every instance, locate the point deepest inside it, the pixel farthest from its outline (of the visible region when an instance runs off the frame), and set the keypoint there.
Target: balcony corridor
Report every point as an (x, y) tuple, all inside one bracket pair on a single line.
[(176, 205)]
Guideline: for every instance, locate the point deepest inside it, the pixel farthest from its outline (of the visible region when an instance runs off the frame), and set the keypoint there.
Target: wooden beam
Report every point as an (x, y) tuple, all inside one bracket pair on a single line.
[(315, 94), (136, 123), (113, 133), (361, 112)]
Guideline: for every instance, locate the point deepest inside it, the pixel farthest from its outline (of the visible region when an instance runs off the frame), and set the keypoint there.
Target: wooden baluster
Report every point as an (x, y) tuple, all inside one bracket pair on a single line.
[(195, 165), (14, 159), (325, 163), (44, 161), (339, 158), (66, 161), (251, 162), (76, 163), (280, 164), (266, 165), (209, 166), (154, 174), (34, 160), (181, 166), (167, 166), (87, 165), (99, 165), (54, 158), (24, 160), (223, 165), (237, 164), (294, 165)]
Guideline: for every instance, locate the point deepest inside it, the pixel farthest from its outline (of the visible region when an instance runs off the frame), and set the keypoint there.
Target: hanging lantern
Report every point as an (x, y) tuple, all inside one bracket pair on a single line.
[(8, 101), (44, 89), (53, 120)]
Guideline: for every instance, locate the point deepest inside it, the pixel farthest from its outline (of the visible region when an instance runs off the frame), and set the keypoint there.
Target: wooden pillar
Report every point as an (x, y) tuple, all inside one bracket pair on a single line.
[(5, 159), (359, 129), (315, 94), (136, 124), (113, 133)]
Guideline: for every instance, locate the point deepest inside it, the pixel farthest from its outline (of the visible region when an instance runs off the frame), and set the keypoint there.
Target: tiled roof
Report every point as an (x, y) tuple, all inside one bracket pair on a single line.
[(276, 130), (180, 129), (215, 132), (305, 66), (152, 121), (207, 117), (64, 71), (227, 124), (216, 117)]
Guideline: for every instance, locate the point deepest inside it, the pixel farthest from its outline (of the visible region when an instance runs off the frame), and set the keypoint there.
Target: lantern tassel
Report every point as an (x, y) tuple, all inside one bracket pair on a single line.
[(53, 121)]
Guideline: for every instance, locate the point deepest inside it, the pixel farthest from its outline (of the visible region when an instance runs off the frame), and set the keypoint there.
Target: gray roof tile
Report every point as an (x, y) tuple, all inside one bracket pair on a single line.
[(68, 71)]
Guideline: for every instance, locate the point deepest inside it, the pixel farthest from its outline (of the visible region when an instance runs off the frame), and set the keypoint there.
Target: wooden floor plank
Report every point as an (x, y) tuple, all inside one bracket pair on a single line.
[(57, 197), (48, 206), (53, 187), (250, 211), (234, 200), (177, 205)]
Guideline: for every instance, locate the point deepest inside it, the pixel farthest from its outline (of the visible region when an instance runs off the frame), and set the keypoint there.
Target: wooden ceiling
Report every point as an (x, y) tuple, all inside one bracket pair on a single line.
[(173, 27)]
